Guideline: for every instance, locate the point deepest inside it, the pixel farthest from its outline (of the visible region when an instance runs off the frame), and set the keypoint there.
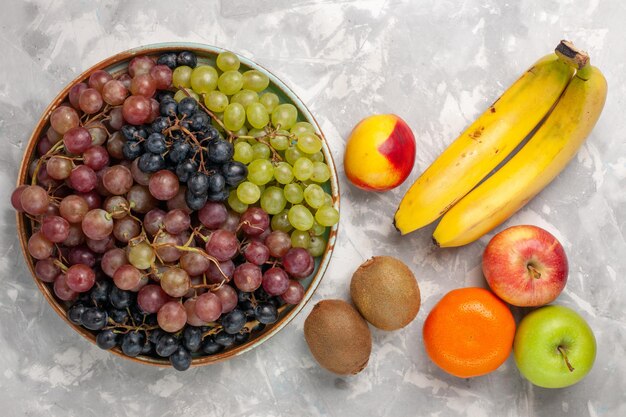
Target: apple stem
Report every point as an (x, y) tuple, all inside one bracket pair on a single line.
[(569, 366), (533, 270)]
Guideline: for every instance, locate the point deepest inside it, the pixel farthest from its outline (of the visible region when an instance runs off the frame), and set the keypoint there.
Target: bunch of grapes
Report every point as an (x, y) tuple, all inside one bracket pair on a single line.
[(174, 209)]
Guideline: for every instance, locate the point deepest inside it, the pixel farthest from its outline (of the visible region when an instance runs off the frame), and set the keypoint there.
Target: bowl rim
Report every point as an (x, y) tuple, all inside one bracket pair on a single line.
[(203, 50)]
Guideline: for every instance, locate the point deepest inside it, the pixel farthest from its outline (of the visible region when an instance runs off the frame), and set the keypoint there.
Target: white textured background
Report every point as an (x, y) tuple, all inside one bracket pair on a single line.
[(437, 64)]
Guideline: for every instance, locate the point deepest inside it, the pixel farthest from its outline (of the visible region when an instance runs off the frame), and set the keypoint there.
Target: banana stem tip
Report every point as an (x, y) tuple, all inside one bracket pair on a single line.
[(572, 55)]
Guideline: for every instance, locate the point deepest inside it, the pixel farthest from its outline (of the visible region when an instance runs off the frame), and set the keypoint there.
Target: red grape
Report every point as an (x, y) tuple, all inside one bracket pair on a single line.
[(76, 236), (46, 270), (64, 118), (176, 221), (294, 293), (101, 246), (16, 197), (222, 245), (117, 180), (208, 307), (115, 145), (55, 228), (163, 184), (77, 140), (62, 290), (248, 277), (116, 118), (127, 277), (114, 92), (112, 260), (254, 221), (126, 228), (298, 263), (80, 278), (256, 253), (98, 79), (228, 297), (278, 243), (213, 274), (81, 255), (74, 94), (59, 167), (213, 215), (83, 179), (39, 247), (136, 109), (153, 221), (178, 201), (143, 85), (172, 316), (141, 198), (275, 281), (151, 298), (140, 65), (90, 101), (34, 200), (192, 318), (162, 76), (95, 157), (194, 263), (97, 224), (167, 252), (140, 177), (92, 198), (175, 282)]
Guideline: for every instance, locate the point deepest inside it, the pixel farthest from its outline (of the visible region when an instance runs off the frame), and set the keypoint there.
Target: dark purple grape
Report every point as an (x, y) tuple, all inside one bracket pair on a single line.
[(107, 339), (187, 58), (266, 313), (220, 151), (168, 59), (234, 172), (93, 318), (132, 343), (181, 359), (166, 345), (210, 346), (156, 143)]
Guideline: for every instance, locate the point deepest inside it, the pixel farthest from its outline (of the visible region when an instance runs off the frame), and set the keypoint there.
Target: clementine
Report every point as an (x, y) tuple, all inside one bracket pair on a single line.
[(469, 332)]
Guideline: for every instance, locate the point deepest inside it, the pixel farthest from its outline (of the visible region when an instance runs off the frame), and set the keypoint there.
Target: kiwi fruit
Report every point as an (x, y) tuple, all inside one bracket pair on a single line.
[(338, 337), (385, 292)]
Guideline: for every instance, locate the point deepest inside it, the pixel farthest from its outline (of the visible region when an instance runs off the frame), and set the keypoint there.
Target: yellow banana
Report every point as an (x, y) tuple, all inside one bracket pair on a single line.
[(484, 144), (541, 159)]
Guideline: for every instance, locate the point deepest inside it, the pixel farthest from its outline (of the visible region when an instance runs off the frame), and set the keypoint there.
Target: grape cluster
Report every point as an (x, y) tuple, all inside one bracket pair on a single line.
[(173, 209)]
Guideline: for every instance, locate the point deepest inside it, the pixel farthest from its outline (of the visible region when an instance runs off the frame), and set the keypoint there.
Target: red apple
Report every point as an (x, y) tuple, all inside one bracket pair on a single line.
[(380, 153), (525, 266)]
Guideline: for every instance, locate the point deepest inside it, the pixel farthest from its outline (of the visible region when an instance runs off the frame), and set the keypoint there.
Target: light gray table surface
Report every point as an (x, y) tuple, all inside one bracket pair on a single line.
[(437, 64)]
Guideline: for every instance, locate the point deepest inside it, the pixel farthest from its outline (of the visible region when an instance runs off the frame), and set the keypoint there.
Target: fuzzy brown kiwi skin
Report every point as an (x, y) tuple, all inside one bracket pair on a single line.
[(385, 292), (338, 337)]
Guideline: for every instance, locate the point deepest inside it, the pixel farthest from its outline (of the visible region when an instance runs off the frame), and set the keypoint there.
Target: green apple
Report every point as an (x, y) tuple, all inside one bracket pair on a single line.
[(554, 347)]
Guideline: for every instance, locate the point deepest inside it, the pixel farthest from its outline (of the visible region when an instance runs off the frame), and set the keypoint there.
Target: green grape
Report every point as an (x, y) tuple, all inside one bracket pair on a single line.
[(314, 196), (309, 143), (283, 173), (270, 101), (257, 115), (318, 229), (215, 124), (241, 132), (227, 61), (180, 94), (243, 152), (248, 193), (316, 157), (235, 203), (293, 193), (327, 216), (181, 77), (300, 239), (234, 116), (279, 142), (260, 171), (273, 200), (284, 115), (261, 188), (141, 256), (255, 80), (303, 168), (317, 246), (321, 172), (292, 154), (302, 127), (245, 98), (230, 82), (203, 79), (300, 217), (280, 222), (328, 199), (256, 133), (261, 150), (216, 101)]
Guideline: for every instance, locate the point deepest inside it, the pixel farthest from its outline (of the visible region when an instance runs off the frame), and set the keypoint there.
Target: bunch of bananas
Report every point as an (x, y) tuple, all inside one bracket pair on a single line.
[(554, 106)]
